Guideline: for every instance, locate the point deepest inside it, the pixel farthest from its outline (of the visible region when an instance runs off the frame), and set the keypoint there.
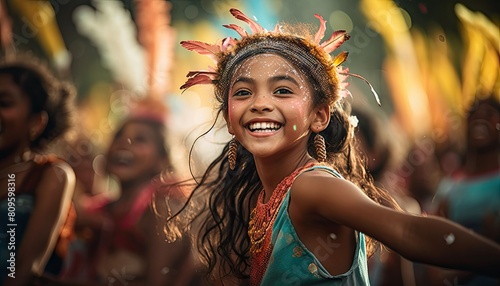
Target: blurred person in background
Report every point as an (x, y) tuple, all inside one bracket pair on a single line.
[(384, 152), (91, 186), (129, 244), (35, 110), (470, 196)]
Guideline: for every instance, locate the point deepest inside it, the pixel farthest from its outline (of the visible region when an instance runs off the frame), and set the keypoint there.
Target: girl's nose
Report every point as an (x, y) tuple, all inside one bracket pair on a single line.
[(123, 141), (261, 103)]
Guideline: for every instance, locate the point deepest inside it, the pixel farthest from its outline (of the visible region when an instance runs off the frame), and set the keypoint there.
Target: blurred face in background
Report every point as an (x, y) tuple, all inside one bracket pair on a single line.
[(15, 114), (136, 152), (483, 125)]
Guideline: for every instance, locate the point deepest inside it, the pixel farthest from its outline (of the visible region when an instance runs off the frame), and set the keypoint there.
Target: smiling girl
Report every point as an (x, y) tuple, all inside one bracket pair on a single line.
[(289, 200), (129, 237), (35, 111)]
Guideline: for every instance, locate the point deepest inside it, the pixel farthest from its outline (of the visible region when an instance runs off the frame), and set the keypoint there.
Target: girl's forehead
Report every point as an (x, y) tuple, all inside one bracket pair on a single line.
[(138, 127), (266, 64)]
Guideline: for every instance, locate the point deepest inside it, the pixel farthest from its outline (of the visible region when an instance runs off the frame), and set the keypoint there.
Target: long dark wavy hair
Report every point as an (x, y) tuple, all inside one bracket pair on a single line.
[(228, 196)]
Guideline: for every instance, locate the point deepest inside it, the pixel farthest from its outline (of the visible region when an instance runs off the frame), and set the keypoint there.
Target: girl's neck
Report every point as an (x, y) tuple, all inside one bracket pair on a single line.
[(480, 163), (272, 172), (12, 157), (131, 189)]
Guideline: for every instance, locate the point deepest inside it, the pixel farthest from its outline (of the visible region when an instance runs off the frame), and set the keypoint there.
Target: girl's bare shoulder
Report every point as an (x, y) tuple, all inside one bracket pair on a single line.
[(320, 194), (319, 184)]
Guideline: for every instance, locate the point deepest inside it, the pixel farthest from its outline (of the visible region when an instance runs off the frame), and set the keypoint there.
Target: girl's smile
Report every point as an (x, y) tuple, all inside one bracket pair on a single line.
[(134, 152)]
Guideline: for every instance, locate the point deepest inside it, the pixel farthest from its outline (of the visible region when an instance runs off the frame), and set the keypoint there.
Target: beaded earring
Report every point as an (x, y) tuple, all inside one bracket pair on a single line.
[(233, 148), (319, 144)]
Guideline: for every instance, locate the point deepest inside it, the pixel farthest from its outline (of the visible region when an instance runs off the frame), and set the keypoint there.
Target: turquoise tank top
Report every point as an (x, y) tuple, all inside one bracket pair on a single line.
[(291, 263)]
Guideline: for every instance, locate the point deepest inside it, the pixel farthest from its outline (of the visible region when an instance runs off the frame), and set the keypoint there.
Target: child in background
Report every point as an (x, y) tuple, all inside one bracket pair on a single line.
[(471, 195), (131, 246), (284, 207), (35, 111)]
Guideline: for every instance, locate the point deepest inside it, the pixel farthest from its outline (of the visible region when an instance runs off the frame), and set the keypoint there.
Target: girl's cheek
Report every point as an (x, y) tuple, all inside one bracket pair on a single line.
[(299, 107), (232, 111), (230, 108)]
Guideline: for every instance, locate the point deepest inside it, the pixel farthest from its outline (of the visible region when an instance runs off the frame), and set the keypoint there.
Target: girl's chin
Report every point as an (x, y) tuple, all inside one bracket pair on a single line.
[(120, 174)]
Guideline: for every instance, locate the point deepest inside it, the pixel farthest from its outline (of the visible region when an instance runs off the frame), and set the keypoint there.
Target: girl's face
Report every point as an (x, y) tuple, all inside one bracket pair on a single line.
[(15, 117), (270, 106), (482, 130), (134, 153)]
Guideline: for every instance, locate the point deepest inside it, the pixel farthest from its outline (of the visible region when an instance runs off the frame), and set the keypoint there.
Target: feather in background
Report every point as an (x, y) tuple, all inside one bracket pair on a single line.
[(157, 38), (429, 94), (402, 66), (40, 16), (112, 31), (481, 66)]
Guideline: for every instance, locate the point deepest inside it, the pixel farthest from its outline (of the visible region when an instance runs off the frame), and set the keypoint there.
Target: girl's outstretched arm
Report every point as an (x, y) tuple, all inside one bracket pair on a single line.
[(430, 240)]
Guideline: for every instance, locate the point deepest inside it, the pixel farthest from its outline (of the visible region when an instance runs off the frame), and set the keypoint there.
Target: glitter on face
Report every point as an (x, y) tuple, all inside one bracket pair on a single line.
[(265, 61), (284, 77), (269, 97)]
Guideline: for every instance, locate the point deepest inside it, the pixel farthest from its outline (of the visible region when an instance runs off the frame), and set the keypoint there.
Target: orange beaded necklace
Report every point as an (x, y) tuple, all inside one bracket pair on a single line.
[(262, 218)]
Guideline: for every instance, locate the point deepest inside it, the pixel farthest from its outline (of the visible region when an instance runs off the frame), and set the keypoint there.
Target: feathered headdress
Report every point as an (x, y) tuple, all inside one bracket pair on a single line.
[(223, 53)]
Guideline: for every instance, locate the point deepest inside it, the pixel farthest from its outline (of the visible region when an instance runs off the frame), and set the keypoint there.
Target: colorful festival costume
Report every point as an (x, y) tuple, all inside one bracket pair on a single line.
[(295, 264), (270, 230)]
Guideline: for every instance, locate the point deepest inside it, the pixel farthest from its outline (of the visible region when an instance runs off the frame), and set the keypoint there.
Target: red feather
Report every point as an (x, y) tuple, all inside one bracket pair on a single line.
[(254, 26), (210, 74), (227, 43), (202, 48), (321, 31), (237, 28), (337, 39), (198, 79)]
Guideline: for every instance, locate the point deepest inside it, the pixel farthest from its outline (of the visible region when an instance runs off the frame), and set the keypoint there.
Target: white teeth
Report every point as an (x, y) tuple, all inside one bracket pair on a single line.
[(123, 156), (264, 126), (479, 131)]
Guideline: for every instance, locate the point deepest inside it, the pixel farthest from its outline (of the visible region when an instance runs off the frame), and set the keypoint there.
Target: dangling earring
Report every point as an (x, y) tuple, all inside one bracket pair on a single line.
[(319, 144), (231, 154)]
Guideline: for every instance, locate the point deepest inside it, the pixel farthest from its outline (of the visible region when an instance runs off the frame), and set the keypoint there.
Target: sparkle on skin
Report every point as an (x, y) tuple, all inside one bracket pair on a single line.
[(268, 87), (245, 70), (450, 238)]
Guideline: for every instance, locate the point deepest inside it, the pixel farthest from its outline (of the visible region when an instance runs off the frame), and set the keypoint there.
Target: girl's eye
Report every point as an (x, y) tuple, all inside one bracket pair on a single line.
[(283, 91), (242, 93), (140, 139), (6, 102), (118, 135)]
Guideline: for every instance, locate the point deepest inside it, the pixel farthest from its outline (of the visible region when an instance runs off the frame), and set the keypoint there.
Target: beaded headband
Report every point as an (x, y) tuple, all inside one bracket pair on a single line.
[(310, 55)]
